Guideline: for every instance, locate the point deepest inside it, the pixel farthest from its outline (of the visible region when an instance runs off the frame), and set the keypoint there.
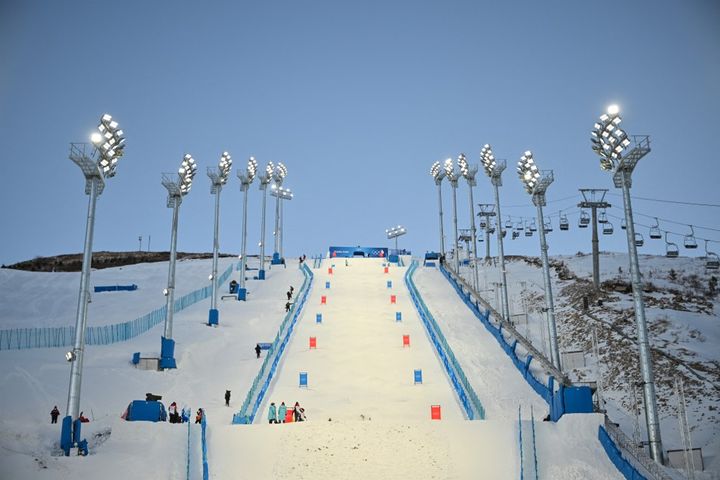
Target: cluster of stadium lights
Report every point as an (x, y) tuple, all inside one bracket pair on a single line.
[(186, 173), (109, 142), (395, 231), (528, 172), (608, 139)]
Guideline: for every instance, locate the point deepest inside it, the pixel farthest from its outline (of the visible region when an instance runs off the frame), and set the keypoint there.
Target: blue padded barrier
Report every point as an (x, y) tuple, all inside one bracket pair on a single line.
[(463, 389), (50, 337), (615, 455), (115, 288), (205, 464), (259, 387)]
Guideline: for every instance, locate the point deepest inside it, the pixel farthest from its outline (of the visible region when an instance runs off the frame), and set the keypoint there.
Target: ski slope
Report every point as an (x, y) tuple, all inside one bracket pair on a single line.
[(366, 417)]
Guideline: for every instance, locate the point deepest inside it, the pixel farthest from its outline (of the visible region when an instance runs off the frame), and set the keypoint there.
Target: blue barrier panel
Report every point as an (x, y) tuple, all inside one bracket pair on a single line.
[(146, 411), (265, 345), (615, 455), (398, 316), (115, 288), (327, 284), (206, 465), (389, 284), (318, 318), (418, 376), (303, 379)]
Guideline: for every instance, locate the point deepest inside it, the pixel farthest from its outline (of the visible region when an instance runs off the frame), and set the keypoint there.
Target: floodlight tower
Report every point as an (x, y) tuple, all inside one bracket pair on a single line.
[(178, 185), (438, 173), (280, 193), (609, 142), (218, 178), (469, 172), (395, 232), (246, 178), (493, 169), (285, 194), (96, 164), (536, 183), (264, 182), (453, 176), (278, 176)]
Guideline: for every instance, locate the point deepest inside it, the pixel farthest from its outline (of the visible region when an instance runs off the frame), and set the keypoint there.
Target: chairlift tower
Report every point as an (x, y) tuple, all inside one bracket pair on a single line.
[(487, 210), (609, 142), (594, 198)]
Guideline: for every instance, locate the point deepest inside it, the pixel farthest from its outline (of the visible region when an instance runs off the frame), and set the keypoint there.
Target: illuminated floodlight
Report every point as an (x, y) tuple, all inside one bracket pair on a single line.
[(394, 232), (528, 172), (247, 177), (608, 139)]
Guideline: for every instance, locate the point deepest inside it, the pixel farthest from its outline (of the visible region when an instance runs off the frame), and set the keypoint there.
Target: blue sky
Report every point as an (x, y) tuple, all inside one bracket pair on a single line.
[(357, 99)]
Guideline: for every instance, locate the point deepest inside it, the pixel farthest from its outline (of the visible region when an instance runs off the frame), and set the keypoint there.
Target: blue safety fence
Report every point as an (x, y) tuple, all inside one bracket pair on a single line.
[(616, 457), (468, 397), (49, 337), (187, 452), (259, 387), (115, 288), (205, 464)]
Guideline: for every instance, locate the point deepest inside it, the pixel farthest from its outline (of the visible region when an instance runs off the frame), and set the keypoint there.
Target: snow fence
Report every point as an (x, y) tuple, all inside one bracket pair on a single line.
[(259, 387), (49, 337), (468, 398), (561, 400)]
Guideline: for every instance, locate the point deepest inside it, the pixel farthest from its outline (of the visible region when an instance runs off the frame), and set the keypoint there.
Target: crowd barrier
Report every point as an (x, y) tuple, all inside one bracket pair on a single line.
[(49, 337), (468, 397), (616, 457), (259, 387)]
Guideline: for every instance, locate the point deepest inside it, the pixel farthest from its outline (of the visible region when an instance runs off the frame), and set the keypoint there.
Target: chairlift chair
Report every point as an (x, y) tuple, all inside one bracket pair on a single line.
[(564, 224), (607, 228), (671, 249), (504, 232), (690, 241), (639, 240), (548, 226), (623, 224), (712, 261), (584, 219), (483, 223), (533, 227), (491, 229), (520, 226), (515, 234), (529, 231), (655, 230), (602, 218), (508, 224)]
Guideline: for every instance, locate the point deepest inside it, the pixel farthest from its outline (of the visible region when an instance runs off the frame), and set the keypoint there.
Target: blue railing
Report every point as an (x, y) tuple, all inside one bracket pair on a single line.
[(205, 464), (48, 337), (259, 387), (468, 397)]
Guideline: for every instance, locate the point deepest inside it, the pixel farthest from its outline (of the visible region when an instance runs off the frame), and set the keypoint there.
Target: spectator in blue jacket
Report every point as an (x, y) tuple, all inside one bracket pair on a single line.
[(282, 412), (272, 414)]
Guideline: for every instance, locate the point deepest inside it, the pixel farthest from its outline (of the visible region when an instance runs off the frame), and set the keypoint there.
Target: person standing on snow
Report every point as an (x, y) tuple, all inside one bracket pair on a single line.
[(257, 350), (227, 398), (54, 414), (199, 416), (282, 412), (272, 413), (297, 413)]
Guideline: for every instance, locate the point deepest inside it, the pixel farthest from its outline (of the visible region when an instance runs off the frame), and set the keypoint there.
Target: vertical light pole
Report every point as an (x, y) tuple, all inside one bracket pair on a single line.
[(395, 232), (536, 183), (281, 194), (438, 173), (96, 165), (278, 176), (493, 169), (264, 182), (469, 172), (609, 142), (178, 185), (218, 178), (246, 178), (453, 176)]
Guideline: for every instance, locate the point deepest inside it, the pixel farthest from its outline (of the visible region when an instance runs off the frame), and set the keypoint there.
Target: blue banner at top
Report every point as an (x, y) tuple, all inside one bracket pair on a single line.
[(367, 252)]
